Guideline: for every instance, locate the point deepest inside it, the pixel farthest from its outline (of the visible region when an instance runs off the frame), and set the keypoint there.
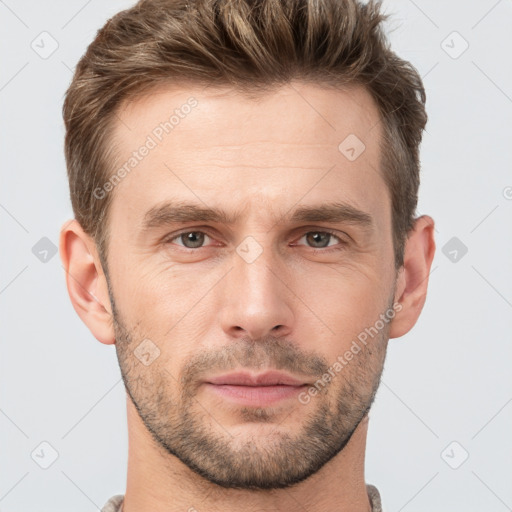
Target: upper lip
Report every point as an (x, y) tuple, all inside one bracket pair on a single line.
[(263, 379)]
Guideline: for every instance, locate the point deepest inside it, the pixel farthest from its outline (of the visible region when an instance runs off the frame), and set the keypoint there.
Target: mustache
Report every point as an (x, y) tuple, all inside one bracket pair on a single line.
[(266, 353)]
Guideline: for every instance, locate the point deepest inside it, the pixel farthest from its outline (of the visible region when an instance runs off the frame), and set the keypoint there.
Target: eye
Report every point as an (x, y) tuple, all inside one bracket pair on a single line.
[(321, 239), (314, 239), (190, 239)]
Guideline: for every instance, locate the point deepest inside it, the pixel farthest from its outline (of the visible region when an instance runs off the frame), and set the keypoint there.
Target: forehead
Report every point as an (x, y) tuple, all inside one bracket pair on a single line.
[(297, 143), (300, 113)]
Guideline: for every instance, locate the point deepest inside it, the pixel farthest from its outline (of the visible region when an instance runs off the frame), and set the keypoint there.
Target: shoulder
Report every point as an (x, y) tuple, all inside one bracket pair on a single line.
[(374, 497), (113, 504)]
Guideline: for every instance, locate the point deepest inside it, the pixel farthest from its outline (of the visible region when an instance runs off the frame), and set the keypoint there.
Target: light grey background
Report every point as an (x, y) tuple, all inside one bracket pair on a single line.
[(448, 380)]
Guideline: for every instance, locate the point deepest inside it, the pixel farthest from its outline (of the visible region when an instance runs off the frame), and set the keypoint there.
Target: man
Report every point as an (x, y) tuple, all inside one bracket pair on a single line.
[(244, 177)]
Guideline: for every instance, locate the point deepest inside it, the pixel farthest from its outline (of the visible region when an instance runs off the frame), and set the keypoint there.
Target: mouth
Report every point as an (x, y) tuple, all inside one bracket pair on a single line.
[(258, 390)]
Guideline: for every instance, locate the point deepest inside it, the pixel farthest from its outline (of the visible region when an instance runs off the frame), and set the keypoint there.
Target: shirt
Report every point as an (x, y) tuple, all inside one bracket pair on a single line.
[(115, 504)]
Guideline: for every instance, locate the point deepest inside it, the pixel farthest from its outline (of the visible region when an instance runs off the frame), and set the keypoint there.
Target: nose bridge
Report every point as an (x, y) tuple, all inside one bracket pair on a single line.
[(256, 269), (256, 301)]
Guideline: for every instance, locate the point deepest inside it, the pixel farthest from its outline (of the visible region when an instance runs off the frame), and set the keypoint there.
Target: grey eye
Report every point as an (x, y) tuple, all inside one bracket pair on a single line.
[(318, 239), (192, 239)]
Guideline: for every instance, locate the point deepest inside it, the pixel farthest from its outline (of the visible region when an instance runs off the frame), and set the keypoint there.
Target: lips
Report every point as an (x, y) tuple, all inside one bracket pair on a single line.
[(255, 390), (270, 378)]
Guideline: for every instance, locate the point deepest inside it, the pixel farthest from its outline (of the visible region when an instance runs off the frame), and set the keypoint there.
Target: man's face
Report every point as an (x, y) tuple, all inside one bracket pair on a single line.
[(292, 264)]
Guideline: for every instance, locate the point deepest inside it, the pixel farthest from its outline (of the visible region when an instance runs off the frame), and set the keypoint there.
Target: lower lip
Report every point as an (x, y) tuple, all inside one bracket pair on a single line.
[(255, 395)]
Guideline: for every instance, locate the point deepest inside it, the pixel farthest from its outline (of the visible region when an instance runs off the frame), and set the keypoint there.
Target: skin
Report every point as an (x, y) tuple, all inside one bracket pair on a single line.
[(298, 306)]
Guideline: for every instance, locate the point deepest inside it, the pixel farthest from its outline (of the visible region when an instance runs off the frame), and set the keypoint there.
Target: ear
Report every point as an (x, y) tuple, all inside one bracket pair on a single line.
[(412, 281), (86, 282)]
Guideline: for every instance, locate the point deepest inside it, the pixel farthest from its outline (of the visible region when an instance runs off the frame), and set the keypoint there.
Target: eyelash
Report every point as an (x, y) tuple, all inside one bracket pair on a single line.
[(323, 250)]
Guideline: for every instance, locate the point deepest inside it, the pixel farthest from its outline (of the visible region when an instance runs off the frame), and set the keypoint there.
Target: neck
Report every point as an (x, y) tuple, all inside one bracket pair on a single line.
[(160, 482)]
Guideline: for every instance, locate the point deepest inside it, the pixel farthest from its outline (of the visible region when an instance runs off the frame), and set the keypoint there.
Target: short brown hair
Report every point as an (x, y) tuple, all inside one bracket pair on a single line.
[(253, 46)]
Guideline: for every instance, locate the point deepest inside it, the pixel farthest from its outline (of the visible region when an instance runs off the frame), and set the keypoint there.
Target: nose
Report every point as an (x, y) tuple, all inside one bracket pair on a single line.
[(256, 301)]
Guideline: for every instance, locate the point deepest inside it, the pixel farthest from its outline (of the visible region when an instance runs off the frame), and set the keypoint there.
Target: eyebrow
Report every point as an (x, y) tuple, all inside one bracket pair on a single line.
[(175, 212), (333, 212)]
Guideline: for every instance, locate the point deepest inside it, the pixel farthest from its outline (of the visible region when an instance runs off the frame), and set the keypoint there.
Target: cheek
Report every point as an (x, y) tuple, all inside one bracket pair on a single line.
[(148, 291), (344, 288), (343, 303), (171, 309)]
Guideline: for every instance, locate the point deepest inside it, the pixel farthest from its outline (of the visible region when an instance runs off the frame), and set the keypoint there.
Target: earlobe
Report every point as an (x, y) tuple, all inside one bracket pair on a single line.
[(412, 281), (86, 282)]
